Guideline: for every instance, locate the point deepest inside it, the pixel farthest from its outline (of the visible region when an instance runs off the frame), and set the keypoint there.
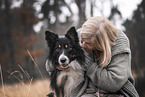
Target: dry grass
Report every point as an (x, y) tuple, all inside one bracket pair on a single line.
[(39, 88), (35, 89)]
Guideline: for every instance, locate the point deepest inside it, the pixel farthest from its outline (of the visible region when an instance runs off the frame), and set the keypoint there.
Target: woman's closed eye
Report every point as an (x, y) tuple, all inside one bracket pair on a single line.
[(90, 44), (86, 43)]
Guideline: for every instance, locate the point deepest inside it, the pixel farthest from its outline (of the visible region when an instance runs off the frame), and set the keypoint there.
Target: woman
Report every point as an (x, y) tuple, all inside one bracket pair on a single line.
[(109, 66)]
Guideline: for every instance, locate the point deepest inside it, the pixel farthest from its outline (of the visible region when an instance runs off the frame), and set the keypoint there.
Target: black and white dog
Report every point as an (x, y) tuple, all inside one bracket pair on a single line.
[(65, 52)]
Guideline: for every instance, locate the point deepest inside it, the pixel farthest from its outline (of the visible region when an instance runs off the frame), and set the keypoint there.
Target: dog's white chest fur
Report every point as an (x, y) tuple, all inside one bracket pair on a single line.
[(71, 78)]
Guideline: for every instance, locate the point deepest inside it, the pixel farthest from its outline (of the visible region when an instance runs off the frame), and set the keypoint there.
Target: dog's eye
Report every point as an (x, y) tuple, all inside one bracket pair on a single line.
[(68, 47), (58, 47)]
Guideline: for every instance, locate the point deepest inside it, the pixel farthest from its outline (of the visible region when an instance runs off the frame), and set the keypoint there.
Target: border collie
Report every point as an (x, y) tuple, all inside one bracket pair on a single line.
[(65, 52)]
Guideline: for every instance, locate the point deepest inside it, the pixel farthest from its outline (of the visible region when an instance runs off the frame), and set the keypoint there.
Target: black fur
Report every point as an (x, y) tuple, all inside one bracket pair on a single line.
[(69, 45)]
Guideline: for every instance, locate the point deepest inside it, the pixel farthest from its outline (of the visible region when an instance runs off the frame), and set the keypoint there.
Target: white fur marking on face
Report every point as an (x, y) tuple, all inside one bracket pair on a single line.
[(61, 57), (61, 36)]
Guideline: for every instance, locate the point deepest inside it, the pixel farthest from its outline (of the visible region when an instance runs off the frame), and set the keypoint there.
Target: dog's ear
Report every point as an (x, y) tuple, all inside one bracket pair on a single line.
[(50, 37), (72, 34)]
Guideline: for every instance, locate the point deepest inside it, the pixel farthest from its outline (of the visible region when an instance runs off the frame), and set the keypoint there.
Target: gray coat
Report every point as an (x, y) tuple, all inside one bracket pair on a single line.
[(116, 76)]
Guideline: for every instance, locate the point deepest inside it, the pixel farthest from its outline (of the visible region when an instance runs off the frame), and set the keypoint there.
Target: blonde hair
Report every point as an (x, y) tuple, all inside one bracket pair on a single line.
[(103, 35)]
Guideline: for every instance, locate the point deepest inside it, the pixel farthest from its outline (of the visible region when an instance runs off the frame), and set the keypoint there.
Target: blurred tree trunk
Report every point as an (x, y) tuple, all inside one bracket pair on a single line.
[(82, 8), (7, 48), (8, 23), (92, 7)]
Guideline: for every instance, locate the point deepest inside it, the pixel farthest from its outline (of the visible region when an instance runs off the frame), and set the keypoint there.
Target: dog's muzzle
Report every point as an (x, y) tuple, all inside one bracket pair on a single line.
[(63, 61)]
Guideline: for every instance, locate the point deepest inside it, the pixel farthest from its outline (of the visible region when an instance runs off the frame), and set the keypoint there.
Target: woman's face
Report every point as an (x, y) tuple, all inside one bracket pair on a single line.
[(87, 44)]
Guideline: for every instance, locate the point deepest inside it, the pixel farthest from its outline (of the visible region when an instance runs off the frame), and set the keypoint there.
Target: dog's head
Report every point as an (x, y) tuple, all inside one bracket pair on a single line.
[(64, 49)]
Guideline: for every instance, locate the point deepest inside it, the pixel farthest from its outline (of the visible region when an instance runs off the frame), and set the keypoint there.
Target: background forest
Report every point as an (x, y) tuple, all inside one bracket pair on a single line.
[(23, 23)]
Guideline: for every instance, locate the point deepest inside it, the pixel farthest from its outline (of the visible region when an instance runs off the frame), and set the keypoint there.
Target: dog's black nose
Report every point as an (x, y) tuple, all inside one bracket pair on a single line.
[(63, 60)]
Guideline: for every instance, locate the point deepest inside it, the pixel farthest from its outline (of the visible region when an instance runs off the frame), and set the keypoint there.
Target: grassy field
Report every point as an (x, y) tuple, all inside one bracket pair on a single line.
[(38, 88)]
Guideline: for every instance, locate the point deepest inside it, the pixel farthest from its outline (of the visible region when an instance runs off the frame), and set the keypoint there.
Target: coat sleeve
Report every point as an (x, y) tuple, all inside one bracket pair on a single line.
[(112, 77)]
